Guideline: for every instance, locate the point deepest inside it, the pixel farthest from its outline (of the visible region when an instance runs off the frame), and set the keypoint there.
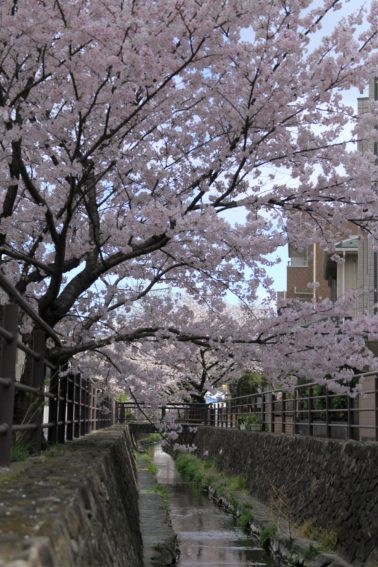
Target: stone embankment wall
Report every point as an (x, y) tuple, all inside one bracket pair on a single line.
[(76, 509), (332, 484)]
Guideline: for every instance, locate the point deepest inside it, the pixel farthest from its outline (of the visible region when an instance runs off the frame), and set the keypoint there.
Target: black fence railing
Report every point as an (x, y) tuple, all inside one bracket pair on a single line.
[(310, 409), (176, 412), (57, 406)]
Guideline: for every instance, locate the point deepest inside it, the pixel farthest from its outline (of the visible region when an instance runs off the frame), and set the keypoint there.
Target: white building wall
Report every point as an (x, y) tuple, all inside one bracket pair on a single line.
[(365, 276), (366, 253)]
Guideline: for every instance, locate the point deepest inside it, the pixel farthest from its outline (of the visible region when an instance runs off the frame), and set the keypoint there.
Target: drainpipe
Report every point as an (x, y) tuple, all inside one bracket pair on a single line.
[(344, 258)]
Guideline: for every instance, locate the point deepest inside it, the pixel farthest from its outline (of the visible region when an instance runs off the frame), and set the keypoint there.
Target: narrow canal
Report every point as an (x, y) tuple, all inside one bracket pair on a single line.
[(207, 535)]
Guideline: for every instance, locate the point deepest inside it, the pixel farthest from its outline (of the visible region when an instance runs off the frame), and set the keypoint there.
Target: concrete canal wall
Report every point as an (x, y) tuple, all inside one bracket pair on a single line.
[(332, 484), (75, 508)]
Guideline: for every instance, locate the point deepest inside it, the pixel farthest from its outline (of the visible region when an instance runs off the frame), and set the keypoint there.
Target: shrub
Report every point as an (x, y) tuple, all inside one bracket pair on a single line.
[(327, 539), (245, 517), (236, 482), (19, 452), (204, 474), (311, 552), (152, 468), (266, 535)]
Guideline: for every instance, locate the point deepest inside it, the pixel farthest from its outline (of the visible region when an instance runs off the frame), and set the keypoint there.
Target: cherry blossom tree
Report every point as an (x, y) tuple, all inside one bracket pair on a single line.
[(174, 144), (301, 344)]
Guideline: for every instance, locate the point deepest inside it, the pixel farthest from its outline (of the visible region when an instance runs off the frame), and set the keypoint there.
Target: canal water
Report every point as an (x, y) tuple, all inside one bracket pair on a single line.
[(207, 535)]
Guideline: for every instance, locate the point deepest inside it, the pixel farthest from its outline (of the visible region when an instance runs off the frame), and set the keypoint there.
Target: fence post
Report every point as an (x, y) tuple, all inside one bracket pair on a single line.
[(272, 410), (98, 410), (262, 413), (296, 411), (283, 412), (38, 372), (328, 424), (53, 408), (70, 406), (62, 392), (86, 407), (309, 398), (93, 407), (113, 410), (349, 418), (89, 407), (122, 413), (82, 405), (77, 416), (105, 414), (8, 375)]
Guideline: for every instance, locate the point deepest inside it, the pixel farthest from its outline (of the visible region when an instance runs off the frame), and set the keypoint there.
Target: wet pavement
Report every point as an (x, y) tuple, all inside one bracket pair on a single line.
[(207, 535)]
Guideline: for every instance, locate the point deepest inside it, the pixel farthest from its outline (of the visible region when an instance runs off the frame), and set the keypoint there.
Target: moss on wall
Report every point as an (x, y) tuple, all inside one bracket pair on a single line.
[(332, 484), (75, 509)]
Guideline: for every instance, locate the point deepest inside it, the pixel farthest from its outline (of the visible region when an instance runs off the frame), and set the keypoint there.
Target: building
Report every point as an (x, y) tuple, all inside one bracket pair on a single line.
[(305, 275), (367, 257), (312, 275)]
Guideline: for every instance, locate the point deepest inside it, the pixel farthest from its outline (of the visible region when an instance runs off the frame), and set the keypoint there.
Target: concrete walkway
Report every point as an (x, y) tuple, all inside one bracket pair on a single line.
[(159, 539)]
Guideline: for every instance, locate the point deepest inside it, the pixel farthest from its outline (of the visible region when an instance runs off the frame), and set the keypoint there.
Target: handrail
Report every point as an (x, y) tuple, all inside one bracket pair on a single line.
[(74, 407), (303, 411), (12, 292)]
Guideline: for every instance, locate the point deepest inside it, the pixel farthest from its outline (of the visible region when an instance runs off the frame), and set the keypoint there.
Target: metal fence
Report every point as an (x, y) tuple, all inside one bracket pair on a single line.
[(59, 406), (173, 412), (310, 409)]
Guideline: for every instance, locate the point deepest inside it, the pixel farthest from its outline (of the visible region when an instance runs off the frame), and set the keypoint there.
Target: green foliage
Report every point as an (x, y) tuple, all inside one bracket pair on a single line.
[(162, 490), (205, 474), (54, 451), (152, 468), (232, 500), (247, 384), (319, 404), (327, 539), (188, 465), (246, 517), (209, 479), (19, 452), (122, 397), (154, 438), (250, 420), (221, 490), (311, 552), (266, 535), (236, 483)]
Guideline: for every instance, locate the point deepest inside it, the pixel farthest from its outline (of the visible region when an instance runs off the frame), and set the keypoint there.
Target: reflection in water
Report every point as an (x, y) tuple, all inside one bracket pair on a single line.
[(207, 536)]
